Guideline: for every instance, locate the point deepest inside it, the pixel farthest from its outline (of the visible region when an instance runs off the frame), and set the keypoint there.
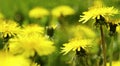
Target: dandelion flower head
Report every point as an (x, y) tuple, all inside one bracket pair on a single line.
[(9, 28), (31, 44), (96, 11), (38, 12), (62, 10), (76, 44), (32, 29)]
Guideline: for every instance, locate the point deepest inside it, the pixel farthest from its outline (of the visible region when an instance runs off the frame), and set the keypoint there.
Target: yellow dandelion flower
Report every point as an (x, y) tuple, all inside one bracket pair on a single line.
[(7, 59), (96, 11), (76, 44), (32, 29), (62, 10), (38, 12), (28, 45), (9, 28), (114, 63)]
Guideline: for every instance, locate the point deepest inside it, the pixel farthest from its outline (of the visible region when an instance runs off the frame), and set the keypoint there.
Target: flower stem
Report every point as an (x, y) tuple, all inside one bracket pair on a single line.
[(103, 45), (111, 50)]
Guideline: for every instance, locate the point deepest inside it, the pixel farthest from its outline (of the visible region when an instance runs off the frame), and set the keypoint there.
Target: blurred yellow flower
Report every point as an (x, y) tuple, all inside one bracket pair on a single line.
[(113, 25), (28, 45), (1, 16), (38, 12), (96, 11), (32, 29), (114, 63), (113, 20), (75, 44), (118, 29), (9, 28), (62, 10), (35, 64), (7, 59), (82, 31), (97, 4)]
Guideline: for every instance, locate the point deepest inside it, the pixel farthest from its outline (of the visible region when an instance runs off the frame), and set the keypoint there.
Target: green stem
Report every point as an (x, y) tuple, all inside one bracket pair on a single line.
[(86, 60), (118, 45), (98, 61), (103, 45), (111, 50)]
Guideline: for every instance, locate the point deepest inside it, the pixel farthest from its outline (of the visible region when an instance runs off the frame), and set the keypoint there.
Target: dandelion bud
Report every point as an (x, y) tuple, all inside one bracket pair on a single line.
[(19, 17), (100, 21), (50, 31), (82, 52), (112, 28)]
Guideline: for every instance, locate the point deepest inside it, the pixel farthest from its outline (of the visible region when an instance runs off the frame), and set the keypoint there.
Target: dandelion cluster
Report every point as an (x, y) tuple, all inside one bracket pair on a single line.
[(23, 42), (55, 36), (103, 16)]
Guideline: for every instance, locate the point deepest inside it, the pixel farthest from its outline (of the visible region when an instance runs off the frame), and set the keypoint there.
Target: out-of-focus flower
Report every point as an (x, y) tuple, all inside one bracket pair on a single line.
[(113, 20), (38, 12), (35, 64), (118, 29), (76, 44), (7, 59), (1, 16), (32, 29), (96, 11), (8, 28), (62, 10), (97, 4), (114, 63), (113, 25), (82, 31), (28, 45)]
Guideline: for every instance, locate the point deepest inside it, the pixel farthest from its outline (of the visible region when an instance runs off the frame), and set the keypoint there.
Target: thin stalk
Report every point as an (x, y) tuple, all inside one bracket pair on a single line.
[(111, 49), (103, 45), (118, 45), (86, 60), (98, 60)]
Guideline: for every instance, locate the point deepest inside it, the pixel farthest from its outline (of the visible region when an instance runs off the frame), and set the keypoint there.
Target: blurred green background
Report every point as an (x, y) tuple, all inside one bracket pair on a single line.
[(10, 7)]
